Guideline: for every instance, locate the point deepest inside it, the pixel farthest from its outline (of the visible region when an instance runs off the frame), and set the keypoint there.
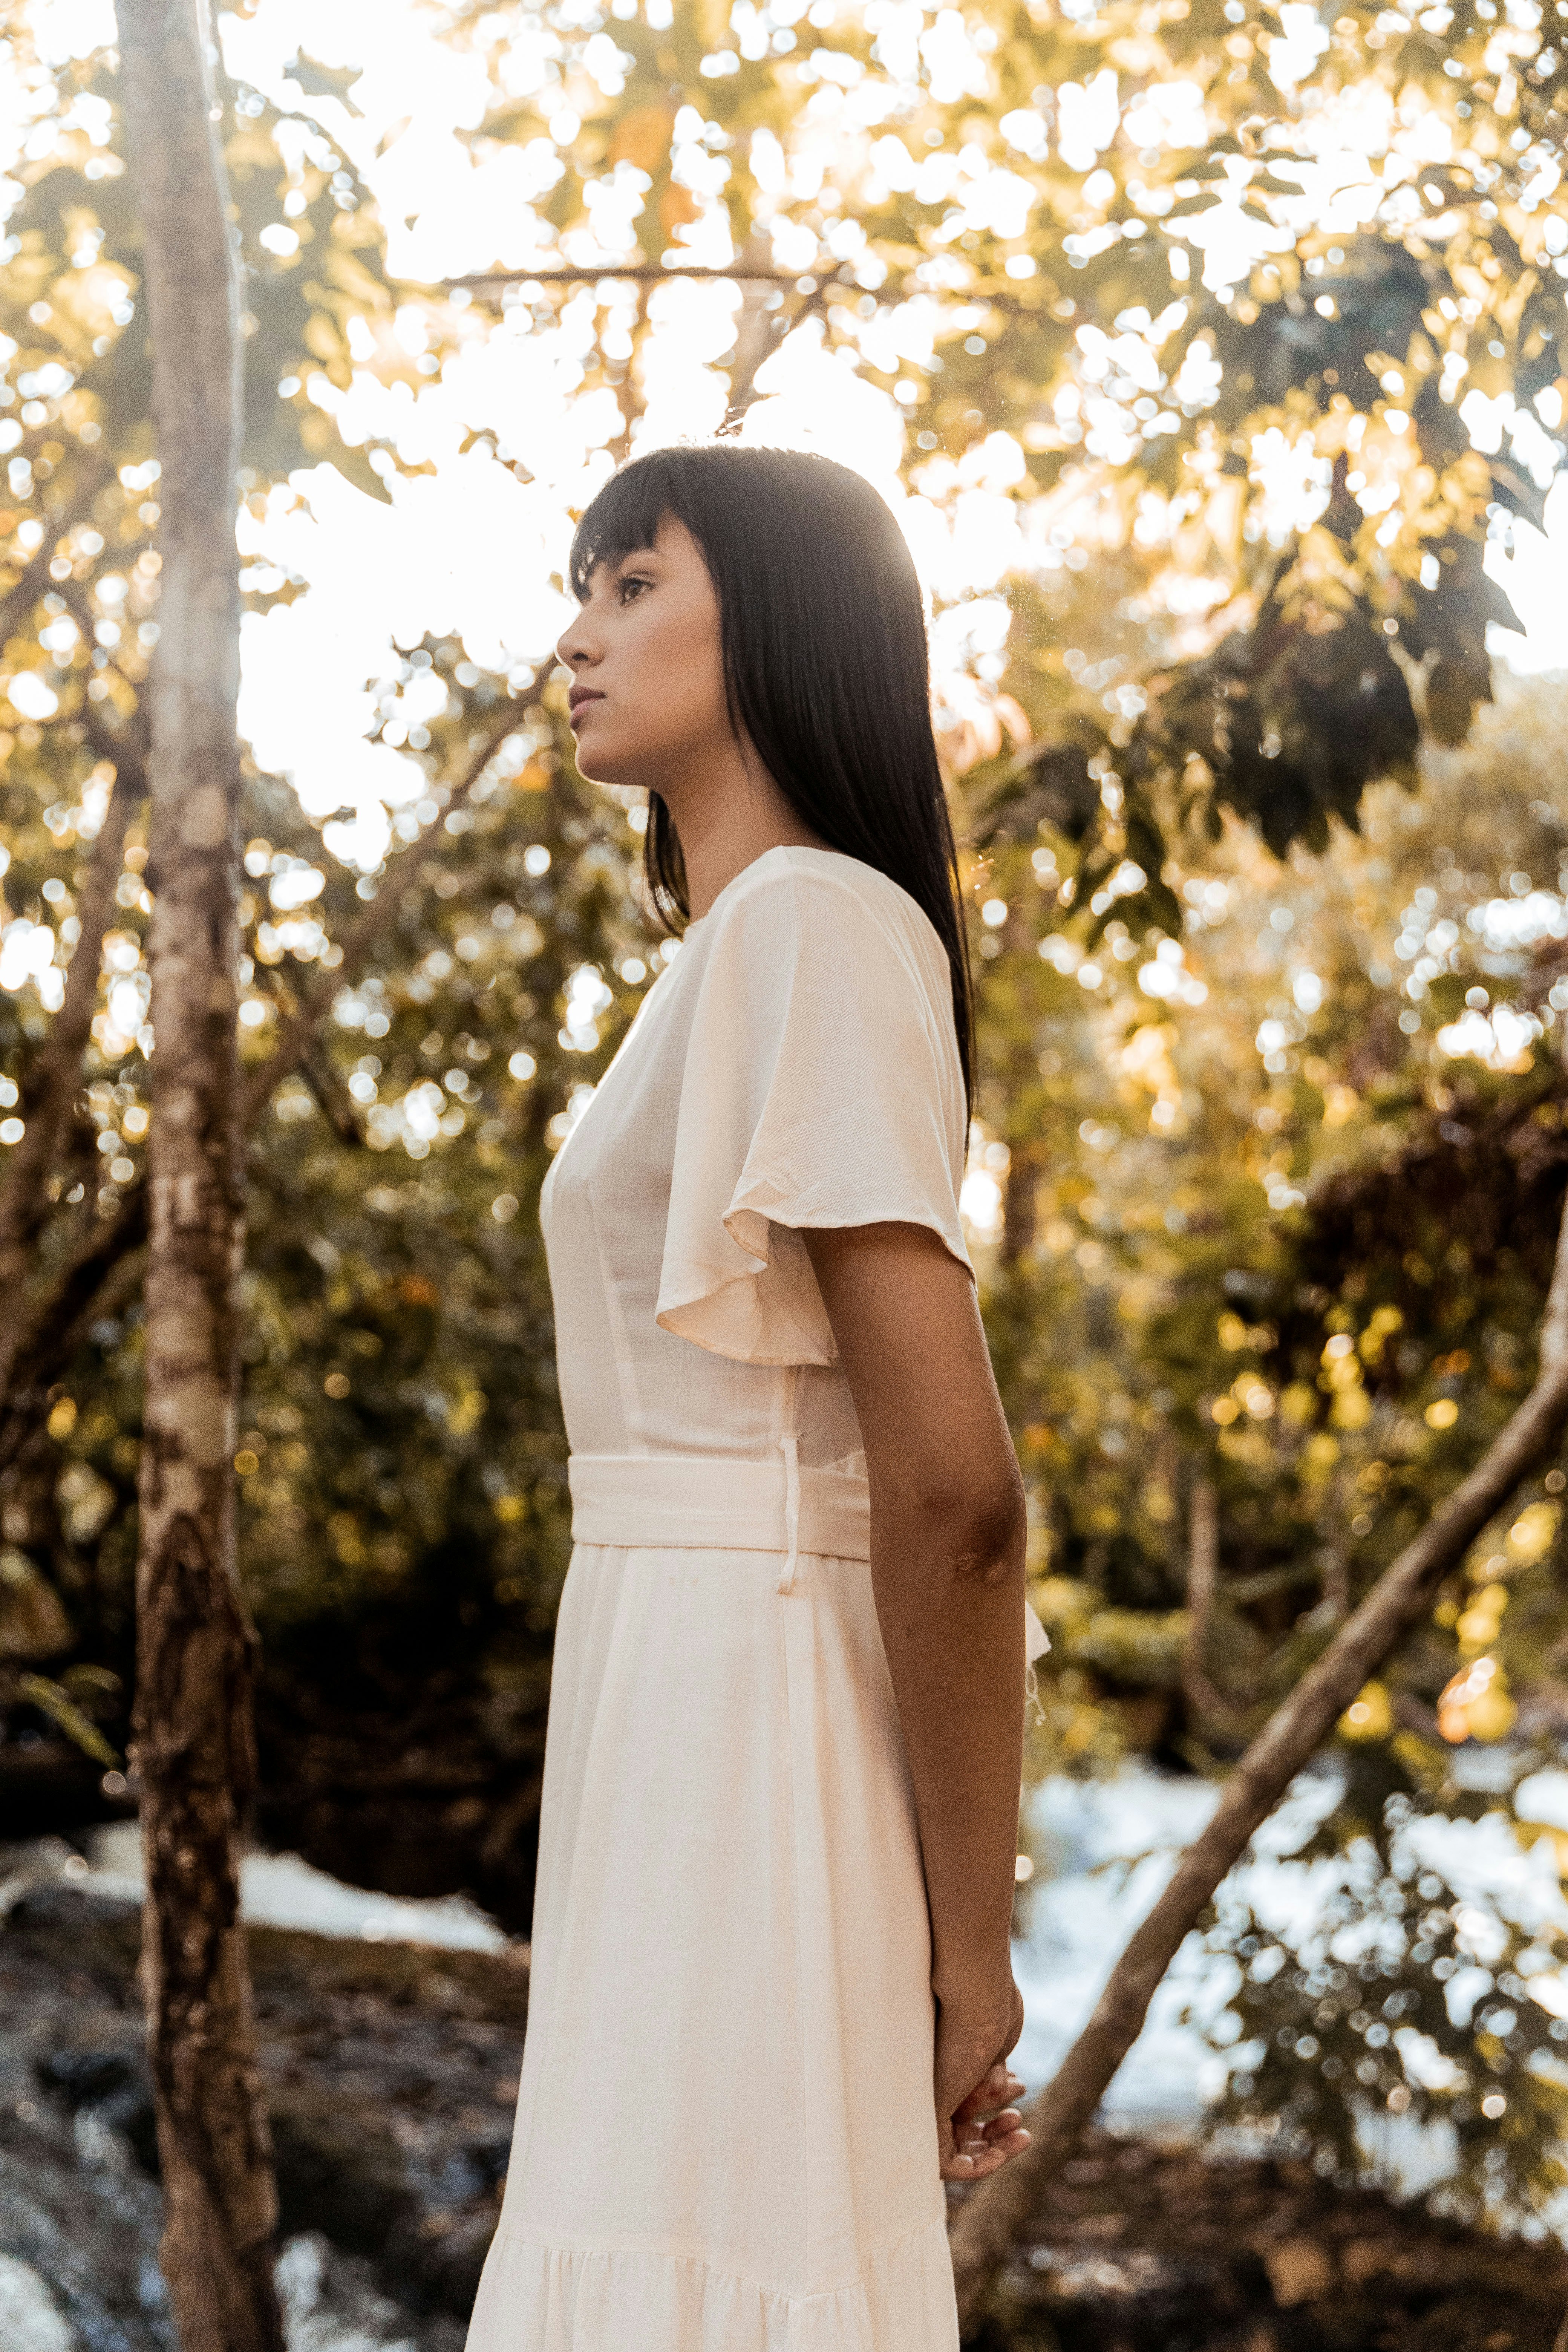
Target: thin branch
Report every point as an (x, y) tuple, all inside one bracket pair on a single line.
[(410, 865), (480, 280), (32, 581), (333, 1097), (59, 1317), (46, 1106), (58, 1320), (1554, 1321), (319, 1072), (757, 337), (1203, 1694), (990, 2218)]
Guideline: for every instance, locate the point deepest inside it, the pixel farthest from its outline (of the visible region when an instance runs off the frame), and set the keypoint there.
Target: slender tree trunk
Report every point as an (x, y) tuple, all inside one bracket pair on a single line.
[(989, 2220), (194, 1745)]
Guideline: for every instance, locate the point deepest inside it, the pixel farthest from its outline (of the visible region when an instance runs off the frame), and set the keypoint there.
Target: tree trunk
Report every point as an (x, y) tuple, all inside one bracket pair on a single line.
[(194, 1745), (989, 2220)]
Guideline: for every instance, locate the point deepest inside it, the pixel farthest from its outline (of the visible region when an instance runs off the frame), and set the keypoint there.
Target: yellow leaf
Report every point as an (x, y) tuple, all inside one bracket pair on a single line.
[(642, 138), (678, 206)]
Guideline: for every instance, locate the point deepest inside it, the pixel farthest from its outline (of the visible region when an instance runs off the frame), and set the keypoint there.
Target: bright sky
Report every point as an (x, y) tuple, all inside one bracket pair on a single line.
[(469, 548)]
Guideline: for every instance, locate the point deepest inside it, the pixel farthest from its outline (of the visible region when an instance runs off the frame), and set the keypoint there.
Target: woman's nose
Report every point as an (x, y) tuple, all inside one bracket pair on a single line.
[(572, 646)]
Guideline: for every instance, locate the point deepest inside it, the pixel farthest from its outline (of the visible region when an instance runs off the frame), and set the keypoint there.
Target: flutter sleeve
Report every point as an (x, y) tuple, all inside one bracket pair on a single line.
[(822, 1087)]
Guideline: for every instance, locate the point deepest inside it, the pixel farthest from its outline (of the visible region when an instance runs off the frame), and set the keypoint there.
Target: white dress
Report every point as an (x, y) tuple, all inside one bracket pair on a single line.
[(725, 2139)]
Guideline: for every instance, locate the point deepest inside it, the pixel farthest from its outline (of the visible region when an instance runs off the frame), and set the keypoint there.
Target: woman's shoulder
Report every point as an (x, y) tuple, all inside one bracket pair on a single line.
[(838, 901)]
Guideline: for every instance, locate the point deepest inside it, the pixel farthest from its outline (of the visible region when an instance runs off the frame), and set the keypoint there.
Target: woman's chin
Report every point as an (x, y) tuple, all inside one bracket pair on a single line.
[(598, 763)]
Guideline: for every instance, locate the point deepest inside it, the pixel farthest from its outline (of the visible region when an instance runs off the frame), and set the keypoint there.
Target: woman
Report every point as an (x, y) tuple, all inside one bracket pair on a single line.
[(780, 1811)]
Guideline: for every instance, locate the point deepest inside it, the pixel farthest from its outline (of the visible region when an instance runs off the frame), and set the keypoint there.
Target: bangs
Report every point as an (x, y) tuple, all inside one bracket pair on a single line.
[(625, 515)]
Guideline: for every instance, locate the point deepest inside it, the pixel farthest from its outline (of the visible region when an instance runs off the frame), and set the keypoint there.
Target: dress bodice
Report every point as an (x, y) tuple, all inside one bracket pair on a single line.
[(794, 1066)]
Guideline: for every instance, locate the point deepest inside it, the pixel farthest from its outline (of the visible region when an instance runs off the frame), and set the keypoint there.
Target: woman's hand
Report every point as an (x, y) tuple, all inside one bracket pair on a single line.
[(978, 2127)]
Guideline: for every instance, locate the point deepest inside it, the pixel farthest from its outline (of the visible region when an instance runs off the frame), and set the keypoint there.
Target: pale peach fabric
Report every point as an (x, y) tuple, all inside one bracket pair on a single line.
[(725, 2139)]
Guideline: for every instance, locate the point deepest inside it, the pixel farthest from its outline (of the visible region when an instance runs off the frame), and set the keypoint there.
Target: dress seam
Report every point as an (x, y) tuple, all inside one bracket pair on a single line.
[(884, 2246), (620, 1338), (786, 1624)]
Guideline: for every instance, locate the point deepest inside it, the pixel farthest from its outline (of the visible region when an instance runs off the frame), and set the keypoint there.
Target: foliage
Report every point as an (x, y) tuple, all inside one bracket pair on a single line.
[(995, 219), (1387, 1995), (402, 1467), (1269, 902)]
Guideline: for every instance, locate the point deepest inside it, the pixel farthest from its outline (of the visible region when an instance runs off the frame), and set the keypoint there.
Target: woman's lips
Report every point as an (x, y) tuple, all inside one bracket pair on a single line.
[(578, 703)]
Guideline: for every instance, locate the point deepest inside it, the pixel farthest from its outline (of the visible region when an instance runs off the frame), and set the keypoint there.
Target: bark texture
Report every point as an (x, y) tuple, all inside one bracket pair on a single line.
[(991, 2218), (193, 1749)]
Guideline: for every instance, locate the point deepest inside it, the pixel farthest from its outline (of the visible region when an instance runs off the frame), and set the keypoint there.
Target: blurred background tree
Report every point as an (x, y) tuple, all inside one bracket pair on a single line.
[(1206, 353)]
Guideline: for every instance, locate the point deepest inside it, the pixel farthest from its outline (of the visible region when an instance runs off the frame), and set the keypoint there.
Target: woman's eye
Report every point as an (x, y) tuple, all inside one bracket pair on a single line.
[(630, 587)]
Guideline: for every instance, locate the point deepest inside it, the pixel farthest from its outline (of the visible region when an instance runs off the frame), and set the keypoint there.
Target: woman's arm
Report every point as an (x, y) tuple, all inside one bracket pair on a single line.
[(947, 1569)]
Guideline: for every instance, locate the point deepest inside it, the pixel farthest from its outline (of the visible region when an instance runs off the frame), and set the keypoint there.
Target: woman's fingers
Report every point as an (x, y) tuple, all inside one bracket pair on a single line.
[(967, 2164), (1003, 2126), (995, 2134), (981, 2148), (996, 2090), (986, 2130)]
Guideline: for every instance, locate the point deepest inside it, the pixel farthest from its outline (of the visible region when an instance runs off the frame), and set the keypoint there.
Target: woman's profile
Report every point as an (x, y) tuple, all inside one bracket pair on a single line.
[(772, 2001)]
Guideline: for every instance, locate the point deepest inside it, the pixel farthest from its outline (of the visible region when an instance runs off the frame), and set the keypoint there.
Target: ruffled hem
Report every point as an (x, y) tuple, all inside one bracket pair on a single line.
[(537, 2298)]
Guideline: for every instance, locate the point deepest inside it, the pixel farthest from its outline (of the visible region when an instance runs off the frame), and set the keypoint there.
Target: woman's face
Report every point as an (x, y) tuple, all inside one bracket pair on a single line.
[(647, 673)]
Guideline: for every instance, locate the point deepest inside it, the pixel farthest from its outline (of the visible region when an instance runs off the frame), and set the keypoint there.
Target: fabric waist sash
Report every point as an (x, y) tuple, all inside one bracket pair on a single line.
[(706, 1503), (692, 1502)]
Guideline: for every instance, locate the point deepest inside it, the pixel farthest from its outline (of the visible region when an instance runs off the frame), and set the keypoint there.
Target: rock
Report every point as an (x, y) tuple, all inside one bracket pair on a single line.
[(331, 2304), (391, 2074), (1161, 2247), (1299, 2271), (111, 2083)]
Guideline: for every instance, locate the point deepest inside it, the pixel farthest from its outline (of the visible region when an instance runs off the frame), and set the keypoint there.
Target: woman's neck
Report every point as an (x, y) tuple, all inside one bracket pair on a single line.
[(726, 823)]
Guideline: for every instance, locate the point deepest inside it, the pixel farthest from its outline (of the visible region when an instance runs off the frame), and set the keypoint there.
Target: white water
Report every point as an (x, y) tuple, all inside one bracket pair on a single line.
[(275, 1890)]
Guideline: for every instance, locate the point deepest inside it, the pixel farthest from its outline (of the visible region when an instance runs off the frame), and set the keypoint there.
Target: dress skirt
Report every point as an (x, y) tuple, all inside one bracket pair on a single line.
[(725, 2136)]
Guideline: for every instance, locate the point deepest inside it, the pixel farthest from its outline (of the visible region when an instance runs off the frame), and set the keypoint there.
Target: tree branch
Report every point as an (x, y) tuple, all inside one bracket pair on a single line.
[(650, 273), (333, 1097), (23, 1198), (1203, 1694), (56, 1319), (31, 583), (411, 863), (759, 333), (989, 2217), (1554, 1321)]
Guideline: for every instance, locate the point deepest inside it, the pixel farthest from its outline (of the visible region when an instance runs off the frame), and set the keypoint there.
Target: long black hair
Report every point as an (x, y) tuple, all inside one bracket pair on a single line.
[(825, 663)]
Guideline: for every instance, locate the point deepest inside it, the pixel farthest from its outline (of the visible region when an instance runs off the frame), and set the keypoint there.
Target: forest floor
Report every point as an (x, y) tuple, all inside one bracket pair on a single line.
[(391, 2072)]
